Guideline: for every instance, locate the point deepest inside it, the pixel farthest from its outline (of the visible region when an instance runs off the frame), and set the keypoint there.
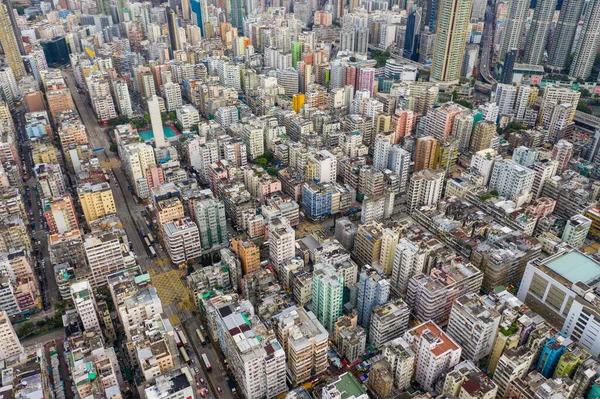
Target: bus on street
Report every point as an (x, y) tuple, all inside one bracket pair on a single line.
[(201, 337), (206, 362), (184, 355)]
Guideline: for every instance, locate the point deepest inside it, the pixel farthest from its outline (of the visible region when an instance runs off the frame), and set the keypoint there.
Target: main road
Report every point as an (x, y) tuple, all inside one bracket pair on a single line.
[(127, 208), (486, 46)]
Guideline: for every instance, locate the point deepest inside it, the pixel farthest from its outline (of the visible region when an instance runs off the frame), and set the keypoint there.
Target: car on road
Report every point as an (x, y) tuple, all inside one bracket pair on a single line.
[(201, 380), (219, 390), (197, 384)]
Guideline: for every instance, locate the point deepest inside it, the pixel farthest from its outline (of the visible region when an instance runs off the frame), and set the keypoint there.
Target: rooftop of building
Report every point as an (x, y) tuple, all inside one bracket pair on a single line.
[(348, 386), (166, 385), (575, 266), (444, 342)]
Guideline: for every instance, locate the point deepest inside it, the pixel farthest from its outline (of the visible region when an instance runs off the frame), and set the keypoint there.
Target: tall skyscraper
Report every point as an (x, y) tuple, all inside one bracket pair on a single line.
[(450, 41), (237, 15), (517, 15), (10, 41), (564, 34), (587, 45), (173, 29), (413, 28), (156, 121), (538, 32), (199, 13)]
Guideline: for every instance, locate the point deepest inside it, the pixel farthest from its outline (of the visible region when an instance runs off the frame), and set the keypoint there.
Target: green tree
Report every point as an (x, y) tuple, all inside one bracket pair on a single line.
[(25, 329), (454, 95), (269, 156), (494, 193), (261, 161), (583, 107), (172, 116), (114, 148), (183, 138), (585, 92)]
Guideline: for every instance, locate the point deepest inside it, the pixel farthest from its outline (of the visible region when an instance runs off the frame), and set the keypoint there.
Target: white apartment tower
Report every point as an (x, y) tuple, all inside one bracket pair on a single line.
[(381, 152), (505, 97), (425, 188), (436, 353), (408, 261), (282, 240), (510, 179), (516, 18), (182, 240), (122, 98), (83, 298), (9, 342), (399, 163), (156, 121), (322, 167), (254, 138), (473, 325), (172, 95)]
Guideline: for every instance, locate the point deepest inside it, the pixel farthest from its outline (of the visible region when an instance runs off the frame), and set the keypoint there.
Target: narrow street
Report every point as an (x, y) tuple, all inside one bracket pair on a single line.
[(126, 206)]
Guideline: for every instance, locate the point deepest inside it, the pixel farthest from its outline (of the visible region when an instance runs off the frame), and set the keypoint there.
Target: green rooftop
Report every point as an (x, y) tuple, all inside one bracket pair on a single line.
[(575, 266), (349, 387)]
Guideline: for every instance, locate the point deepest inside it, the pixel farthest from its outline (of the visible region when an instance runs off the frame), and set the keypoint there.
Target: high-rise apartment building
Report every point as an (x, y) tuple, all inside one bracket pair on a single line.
[(9, 342), (473, 325), (85, 304), (517, 16), (328, 286), (257, 361), (182, 240), (104, 255), (401, 358), (510, 179), (399, 163), (373, 290), (388, 322), (282, 240), (122, 98), (305, 341), (482, 136), (426, 153), (10, 41), (436, 353), (513, 364), (60, 215), (96, 200), (212, 223), (440, 120), (381, 152), (452, 27), (172, 95), (576, 231), (431, 297), (408, 261), (425, 188), (555, 95), (537, 37), (249, 254), (561, 153), (564, 34), (587, 44)]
